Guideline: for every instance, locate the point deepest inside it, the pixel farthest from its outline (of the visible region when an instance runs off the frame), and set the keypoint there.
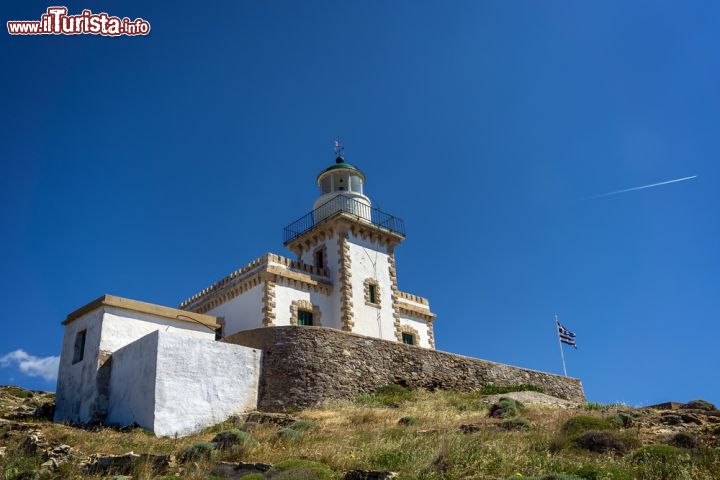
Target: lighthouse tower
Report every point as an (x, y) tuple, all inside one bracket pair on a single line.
[(355, 243)]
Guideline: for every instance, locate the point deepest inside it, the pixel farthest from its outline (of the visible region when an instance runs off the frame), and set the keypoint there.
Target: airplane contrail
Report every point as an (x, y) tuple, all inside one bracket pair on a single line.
[(640, 188)]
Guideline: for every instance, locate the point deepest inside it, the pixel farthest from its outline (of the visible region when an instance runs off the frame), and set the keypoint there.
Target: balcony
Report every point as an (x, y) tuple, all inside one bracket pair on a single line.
[(343, 205)]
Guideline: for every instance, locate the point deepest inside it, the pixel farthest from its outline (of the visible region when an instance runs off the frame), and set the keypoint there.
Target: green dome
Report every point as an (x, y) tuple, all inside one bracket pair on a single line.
[(340, 164)]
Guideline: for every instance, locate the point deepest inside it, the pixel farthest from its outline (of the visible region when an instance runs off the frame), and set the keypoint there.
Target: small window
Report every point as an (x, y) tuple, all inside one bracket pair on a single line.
[(373, 293), (408, 339), (326, 184), (79, 349), (355, 184), (319, 259), (305, 318)]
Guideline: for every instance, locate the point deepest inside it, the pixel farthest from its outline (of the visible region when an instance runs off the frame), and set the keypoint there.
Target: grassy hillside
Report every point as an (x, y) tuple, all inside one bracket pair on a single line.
[(419, 435)]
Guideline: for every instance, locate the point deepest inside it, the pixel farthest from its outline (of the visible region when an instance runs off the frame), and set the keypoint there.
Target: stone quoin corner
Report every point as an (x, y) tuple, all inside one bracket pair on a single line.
[(277, 333)]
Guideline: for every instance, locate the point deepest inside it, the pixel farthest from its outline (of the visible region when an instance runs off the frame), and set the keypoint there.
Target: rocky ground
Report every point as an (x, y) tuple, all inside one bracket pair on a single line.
[(396, 433)]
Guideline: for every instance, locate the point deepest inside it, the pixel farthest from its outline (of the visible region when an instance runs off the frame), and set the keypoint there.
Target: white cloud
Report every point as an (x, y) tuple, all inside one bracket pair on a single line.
[(30, 365)]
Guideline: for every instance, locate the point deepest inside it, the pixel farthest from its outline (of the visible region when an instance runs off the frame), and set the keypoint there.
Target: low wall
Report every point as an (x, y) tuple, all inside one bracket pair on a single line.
[(302, 366)]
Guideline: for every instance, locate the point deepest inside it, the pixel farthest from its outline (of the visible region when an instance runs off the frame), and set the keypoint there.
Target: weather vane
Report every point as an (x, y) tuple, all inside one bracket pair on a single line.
[(339, 148)]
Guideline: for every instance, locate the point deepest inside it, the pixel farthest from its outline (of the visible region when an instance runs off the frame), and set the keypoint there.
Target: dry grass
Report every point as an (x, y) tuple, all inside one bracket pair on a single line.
[(357, 435)]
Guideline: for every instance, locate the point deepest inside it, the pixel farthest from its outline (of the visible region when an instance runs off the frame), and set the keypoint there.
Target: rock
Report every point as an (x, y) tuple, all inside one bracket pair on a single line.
[(46, 411), (532, 398), (59, 453), (368, 475), (3, 452), (232, 471), (35, 442), (123, 464), (50, 465), (279, 419), (671, 419), (107, 464), (470, 427)]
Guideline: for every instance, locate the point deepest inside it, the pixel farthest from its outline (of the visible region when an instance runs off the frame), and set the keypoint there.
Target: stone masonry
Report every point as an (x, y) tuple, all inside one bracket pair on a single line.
[(303, 366)]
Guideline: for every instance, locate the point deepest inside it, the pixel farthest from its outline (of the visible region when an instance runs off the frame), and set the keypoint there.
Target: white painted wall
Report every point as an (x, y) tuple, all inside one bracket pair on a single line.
[(420, 326), (76, 392), (243, 312), (132, 383), (370, 260), (331, 314), (177, 385), (81, 390), (284, 296), (121, 327)]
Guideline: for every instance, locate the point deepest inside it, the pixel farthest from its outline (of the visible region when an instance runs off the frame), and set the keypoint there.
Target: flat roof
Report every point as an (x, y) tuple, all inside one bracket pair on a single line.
[(143, 307)]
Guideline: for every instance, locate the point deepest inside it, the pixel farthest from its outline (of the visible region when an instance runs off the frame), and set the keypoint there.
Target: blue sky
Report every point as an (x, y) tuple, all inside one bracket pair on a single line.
[(149, 167)]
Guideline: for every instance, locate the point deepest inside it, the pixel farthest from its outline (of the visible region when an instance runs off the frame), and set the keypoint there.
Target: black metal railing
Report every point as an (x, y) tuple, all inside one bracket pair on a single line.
[(347, 205)]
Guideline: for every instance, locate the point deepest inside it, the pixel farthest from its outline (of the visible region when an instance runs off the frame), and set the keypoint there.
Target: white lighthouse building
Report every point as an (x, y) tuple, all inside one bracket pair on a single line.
[(344, 275), (125, 361)]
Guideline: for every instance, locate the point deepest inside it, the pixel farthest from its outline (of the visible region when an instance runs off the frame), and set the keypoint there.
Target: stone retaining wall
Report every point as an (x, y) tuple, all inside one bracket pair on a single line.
[(303, 366)]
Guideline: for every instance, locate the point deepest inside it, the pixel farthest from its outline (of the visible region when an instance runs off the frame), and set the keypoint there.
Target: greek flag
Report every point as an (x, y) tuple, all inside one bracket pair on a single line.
[(566, 336)]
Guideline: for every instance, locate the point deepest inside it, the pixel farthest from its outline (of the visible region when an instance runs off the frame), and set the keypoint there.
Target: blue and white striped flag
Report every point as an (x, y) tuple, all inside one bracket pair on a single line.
[(566, 336)]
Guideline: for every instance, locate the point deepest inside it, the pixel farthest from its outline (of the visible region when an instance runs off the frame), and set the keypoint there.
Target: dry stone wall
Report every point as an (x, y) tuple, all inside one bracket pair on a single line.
[(303, 366)]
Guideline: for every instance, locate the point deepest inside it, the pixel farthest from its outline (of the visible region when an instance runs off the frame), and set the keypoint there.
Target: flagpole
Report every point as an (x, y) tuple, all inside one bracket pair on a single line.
[(562, 354)]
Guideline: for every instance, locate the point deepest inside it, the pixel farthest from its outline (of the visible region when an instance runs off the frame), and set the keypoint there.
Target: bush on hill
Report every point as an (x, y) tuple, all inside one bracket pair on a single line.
[(506, 408), (701, 405)]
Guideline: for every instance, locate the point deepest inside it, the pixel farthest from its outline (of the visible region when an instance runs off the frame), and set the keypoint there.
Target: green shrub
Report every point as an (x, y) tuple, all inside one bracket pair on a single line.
[(301, 470), (516, 424), (684, 440), (301, 425), (254, 476), (288, 433), (199, 450), (621, 420), (506, 408), (600, 441), (494, 390), (582, 423), (657, 454), (18, 392), (408, 421), (701, 405), (232, 438)]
